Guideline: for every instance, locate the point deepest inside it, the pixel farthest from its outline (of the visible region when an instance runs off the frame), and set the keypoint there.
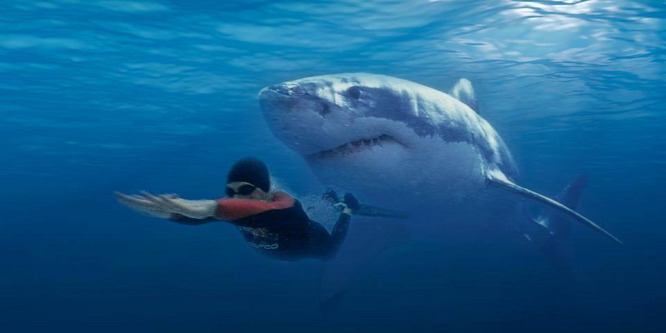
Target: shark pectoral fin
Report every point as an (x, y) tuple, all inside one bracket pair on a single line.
[(496, 178), (367, 210)]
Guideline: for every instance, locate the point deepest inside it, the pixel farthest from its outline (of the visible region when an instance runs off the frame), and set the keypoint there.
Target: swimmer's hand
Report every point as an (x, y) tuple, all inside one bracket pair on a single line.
[(143, 205), (165, 205), (349, 205)]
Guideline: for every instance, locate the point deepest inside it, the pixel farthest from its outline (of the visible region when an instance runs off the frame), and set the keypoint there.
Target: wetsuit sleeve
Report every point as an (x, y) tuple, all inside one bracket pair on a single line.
[(338, 234), (324, 245), (234, 209), (340, 228)]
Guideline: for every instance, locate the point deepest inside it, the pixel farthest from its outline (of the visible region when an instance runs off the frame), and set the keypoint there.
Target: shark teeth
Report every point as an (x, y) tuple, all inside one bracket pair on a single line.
[(355, 146)]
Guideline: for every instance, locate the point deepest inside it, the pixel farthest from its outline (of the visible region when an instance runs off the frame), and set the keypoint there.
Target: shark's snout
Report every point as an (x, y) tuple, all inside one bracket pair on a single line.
[(283, 90), (324, 118), (295, 115)]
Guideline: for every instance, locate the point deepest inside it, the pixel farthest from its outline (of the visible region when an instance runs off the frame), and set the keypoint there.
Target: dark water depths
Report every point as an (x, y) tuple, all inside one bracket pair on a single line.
[(97, 96)]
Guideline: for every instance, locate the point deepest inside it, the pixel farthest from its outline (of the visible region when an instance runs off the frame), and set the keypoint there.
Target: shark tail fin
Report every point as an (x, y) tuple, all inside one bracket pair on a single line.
[(496, 178), (464, 92), (559, 226), (556, 246)]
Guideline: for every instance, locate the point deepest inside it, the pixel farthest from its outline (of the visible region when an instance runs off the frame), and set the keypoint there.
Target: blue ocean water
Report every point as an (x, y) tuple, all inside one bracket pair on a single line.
[(98, 96)]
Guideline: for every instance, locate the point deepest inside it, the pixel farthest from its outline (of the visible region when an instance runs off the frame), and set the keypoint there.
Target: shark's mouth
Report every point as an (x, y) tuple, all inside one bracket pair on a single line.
[(356, 146)]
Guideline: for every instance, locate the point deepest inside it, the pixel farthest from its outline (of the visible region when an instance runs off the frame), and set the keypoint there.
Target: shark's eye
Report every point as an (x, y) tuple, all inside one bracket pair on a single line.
[(354, 92)]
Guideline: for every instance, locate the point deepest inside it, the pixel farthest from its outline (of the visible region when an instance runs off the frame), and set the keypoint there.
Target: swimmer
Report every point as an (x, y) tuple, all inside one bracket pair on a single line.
[(274, 223)]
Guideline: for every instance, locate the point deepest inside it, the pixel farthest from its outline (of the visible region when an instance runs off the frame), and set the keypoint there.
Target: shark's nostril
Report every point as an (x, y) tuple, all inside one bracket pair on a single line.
[(325, 109), (281, 89), (288, 90)]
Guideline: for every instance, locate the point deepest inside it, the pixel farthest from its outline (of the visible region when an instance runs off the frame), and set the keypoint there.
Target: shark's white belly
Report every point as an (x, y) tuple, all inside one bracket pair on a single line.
[(394, 174), (433, 178)]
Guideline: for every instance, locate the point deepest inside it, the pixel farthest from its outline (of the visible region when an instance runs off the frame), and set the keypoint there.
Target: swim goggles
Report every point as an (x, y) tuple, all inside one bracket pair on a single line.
[(243, 189)]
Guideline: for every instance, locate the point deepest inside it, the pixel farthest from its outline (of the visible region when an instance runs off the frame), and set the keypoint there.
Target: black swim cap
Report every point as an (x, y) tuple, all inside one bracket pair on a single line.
[(250, 170)]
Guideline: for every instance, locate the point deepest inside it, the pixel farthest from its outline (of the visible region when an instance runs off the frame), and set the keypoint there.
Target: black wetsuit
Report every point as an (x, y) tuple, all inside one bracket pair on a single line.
[(286, 233)]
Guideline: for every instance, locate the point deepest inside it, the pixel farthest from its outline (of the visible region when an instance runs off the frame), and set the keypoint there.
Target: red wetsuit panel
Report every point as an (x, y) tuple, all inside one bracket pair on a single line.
[(233, 209)]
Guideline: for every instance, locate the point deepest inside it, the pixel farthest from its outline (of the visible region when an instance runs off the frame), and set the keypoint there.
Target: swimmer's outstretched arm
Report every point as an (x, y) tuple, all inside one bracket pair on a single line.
[(168, 205), (142, 205)]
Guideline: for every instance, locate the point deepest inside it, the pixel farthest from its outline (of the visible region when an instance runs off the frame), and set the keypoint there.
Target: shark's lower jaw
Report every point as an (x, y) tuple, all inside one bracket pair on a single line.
[(354, 147)]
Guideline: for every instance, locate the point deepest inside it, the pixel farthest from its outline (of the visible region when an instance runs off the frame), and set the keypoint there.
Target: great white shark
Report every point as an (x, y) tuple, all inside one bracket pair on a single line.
[(406, 146)]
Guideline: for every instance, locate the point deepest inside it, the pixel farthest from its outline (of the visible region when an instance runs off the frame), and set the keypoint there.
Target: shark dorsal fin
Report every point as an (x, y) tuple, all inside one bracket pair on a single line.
[(464, 92)]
